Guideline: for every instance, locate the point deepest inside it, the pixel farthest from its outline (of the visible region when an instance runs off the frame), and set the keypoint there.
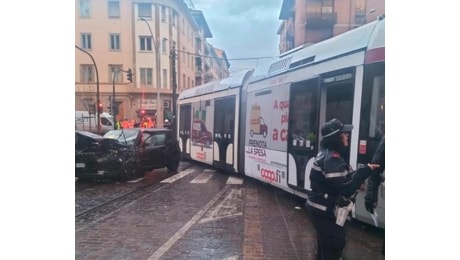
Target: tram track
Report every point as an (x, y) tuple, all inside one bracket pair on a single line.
[(124, 198)]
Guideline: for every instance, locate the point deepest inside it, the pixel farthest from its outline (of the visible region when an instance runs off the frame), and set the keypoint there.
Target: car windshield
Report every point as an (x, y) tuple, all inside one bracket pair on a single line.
[(124, 136)]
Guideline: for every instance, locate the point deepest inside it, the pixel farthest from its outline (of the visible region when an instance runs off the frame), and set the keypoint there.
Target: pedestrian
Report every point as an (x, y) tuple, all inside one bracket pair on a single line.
[(373, 182), (117, 125), (334, 184)]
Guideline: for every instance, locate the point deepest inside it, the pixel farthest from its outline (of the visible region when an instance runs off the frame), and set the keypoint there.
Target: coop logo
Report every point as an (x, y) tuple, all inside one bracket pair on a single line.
[(270, 175), (201, 155)]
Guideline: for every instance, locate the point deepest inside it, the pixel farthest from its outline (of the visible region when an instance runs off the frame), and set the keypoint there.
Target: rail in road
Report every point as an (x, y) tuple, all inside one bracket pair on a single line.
[(199, 213)]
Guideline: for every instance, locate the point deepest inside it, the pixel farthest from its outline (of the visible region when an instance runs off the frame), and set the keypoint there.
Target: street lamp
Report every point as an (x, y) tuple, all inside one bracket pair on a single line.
[(157, 60), (98, 114)]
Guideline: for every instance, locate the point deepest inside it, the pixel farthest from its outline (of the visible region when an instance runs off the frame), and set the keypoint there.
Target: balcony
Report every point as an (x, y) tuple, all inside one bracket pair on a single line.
[(320, 20)]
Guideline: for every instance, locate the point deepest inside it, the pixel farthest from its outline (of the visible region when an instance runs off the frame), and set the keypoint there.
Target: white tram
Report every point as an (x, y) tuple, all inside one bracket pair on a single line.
[(265, 123)]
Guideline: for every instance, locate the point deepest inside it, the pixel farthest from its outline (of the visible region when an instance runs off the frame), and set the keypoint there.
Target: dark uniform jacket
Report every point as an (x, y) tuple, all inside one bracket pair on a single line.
[(375, 179), (330, 178)]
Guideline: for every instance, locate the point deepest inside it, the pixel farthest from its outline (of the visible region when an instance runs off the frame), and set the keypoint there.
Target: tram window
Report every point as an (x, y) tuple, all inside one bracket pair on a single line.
[(303, 112), (377, 113), (224, 117), (340, 102)]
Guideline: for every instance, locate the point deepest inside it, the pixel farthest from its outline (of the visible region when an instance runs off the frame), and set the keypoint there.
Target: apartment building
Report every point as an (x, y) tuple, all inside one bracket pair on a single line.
[(304, 22), (147, 37)]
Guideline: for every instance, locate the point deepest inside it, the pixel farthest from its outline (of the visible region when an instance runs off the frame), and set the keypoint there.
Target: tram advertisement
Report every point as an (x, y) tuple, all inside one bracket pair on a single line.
[(202, 141), (266, 135)]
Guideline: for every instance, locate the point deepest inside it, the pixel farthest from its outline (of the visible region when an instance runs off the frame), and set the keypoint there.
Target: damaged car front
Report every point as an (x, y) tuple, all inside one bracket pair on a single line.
[(100, 157)]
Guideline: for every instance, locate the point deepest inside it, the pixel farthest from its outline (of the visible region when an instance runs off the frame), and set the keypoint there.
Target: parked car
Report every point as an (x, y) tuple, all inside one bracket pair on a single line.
[(125, 154)]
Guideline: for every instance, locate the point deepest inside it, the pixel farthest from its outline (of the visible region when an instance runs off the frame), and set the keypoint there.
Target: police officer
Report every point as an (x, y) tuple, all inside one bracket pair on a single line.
[(333, 185)]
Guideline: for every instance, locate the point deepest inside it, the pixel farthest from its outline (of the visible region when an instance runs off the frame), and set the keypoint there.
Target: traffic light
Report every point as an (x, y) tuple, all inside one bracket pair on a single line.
[(130, 75), (100, 108)]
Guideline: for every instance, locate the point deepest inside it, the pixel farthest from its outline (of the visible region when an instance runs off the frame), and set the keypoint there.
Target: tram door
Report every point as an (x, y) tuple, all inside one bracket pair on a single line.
[(184, 130), (303, 129), (224, 123)]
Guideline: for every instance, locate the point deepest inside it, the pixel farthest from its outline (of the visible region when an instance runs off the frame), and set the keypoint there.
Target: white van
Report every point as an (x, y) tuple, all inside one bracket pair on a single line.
[(86, 122)]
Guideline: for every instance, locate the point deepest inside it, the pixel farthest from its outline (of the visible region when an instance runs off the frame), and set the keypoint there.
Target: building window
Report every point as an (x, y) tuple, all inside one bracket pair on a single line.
[(86, 41), (145, 10), (114, 41), (146, 76), (86, 73), (327, 6), (174, 18), (165, 78), (163, 13), (115, 69), (114, 9), (164, 45), (146, 43), (85, 10)]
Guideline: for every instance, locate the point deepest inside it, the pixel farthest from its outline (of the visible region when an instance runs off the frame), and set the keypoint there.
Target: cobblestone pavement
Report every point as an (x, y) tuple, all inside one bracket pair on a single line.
[(199, 213)]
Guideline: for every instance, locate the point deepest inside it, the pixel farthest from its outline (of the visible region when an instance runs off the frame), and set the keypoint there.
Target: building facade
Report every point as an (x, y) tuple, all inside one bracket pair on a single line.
[(155, 39), (304, 22)]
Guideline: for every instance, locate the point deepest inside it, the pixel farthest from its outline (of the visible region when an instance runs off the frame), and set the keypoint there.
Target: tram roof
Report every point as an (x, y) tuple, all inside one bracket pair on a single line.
[(233, 81), (347, 42)]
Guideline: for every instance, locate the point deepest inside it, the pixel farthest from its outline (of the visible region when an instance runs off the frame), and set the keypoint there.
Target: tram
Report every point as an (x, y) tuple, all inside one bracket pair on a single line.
[(265, 122)]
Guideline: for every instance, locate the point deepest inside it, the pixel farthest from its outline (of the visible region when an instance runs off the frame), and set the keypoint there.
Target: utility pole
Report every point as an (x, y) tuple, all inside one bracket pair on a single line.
[(174, 87)]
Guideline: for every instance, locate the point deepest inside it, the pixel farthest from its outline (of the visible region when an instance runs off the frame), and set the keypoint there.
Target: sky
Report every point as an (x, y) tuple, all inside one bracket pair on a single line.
[(243, 29)]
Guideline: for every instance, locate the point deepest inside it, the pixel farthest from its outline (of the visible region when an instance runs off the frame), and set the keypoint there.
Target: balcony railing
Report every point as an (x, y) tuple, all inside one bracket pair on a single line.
[(320, 19)]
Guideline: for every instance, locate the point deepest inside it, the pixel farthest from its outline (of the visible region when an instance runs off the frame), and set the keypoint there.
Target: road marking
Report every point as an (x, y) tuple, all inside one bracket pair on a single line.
[(178, 176), (202, 178), (166, 246), (233, 180), (136, 180), (231, 206)]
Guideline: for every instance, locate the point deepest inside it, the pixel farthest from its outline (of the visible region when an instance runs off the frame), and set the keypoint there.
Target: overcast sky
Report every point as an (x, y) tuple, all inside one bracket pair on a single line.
[(243, 28)]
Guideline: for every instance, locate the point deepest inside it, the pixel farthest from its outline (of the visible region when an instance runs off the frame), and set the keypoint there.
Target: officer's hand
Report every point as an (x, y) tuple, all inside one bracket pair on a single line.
[(373, 166)]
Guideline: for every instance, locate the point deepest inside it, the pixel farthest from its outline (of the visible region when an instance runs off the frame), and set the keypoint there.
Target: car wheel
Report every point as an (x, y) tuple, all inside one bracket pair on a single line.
[(128, 171), (173, 161)]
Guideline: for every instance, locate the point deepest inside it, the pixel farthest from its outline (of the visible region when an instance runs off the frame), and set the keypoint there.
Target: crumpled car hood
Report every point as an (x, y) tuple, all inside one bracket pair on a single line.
[(99, 153)]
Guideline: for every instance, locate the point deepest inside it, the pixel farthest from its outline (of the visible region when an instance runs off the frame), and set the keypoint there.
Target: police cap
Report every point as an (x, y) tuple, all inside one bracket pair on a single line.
[(334, 126)]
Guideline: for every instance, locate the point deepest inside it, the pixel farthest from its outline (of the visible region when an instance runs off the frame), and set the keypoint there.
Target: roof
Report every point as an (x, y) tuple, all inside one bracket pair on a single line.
[(286, 9), (233, 81), (221, 55), (201, 21)]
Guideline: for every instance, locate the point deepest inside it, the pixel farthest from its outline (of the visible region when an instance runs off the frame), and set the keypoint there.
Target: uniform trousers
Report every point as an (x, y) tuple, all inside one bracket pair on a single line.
[(330, 237)]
